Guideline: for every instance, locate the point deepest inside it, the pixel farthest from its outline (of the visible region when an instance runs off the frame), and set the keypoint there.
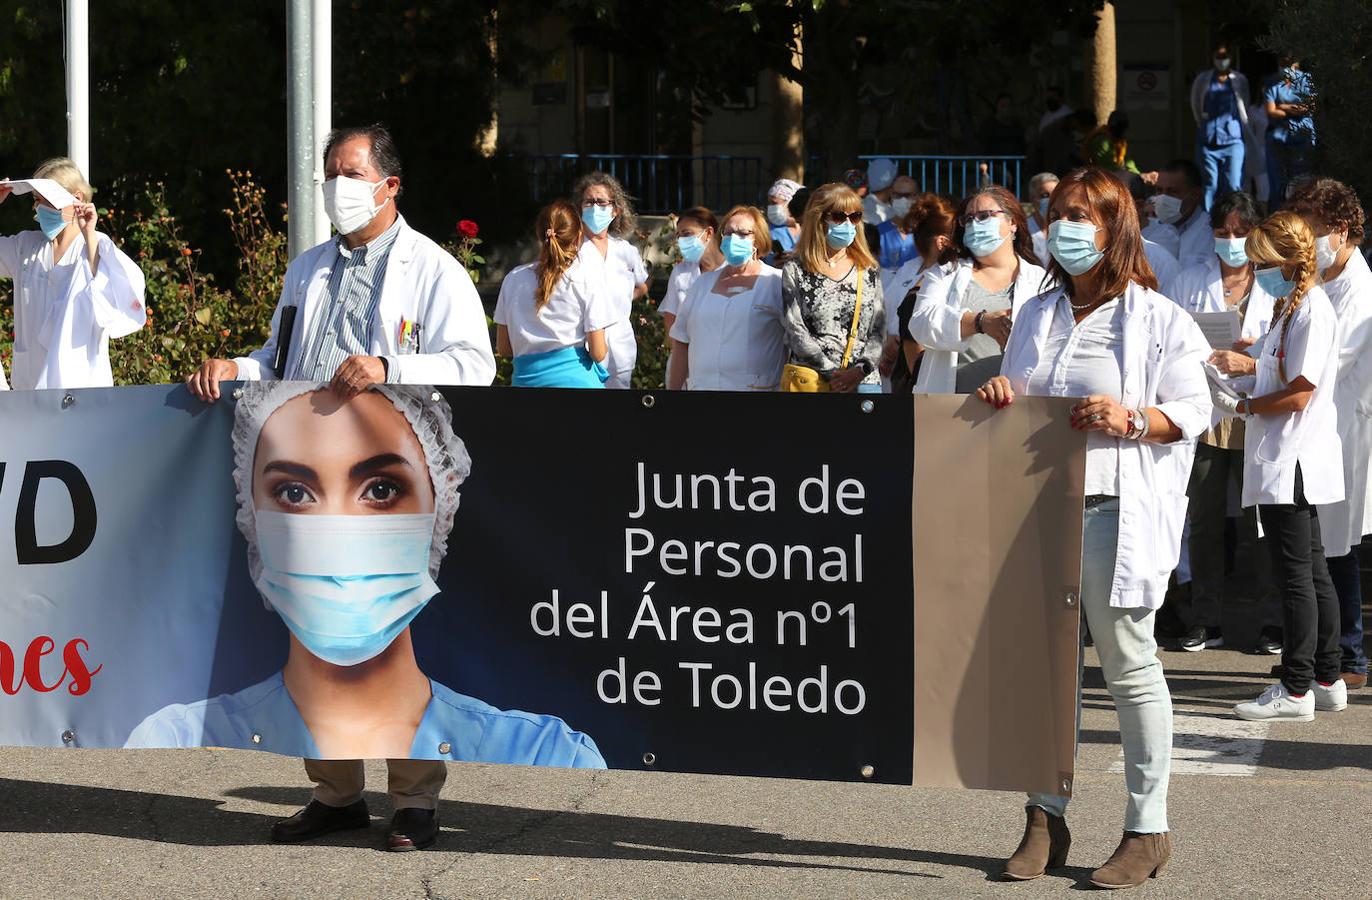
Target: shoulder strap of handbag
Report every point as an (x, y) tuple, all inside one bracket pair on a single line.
[(857, 311)]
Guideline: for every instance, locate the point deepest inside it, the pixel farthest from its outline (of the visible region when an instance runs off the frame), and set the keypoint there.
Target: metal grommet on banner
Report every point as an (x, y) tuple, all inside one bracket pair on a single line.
[(649, 401), (238, 393), (256, 738), (445, 748), (1067, 785), (435, 396), (1071, 599), (868, 405), (69, 737), (649, 759), (868, 771), (67, 401)]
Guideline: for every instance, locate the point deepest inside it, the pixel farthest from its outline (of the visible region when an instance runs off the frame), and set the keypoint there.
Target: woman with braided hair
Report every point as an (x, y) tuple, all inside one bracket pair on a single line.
[(1293, 462), (552, 314)]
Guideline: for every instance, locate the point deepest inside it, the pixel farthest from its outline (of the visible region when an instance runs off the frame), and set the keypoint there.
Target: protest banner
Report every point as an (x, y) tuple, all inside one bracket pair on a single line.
[(848, 588)]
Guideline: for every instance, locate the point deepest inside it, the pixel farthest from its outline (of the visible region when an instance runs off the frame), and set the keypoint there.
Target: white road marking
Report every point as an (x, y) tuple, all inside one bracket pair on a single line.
[(1212, 745)]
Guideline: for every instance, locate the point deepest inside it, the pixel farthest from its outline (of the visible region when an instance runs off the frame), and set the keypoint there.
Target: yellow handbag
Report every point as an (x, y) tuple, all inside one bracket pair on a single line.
[(798, 379)]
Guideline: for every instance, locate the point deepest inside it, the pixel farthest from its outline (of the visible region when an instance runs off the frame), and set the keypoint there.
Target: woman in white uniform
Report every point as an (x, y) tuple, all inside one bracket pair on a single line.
[(74, 290), (1332, 210), (1107, 336), (729, 335), (607, 217), (1223, 283), (550, 318), (963, 318), (1293, 463), (696, 240)]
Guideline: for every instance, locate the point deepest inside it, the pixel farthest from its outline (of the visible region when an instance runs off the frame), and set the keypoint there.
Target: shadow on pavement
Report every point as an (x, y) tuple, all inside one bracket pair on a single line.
[(38, 807), (1297, 756)]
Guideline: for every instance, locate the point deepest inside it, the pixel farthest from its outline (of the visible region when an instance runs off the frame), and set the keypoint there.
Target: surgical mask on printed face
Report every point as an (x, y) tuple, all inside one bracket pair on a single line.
[(351, 202), (1073, 245), (692, 247), (346, 586), (778, 214), (1167, 208), (597, 218), (50, 221), (1231, 251)]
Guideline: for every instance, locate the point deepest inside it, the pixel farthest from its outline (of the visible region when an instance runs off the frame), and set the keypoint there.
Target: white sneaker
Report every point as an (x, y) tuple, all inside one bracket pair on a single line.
[(1330, 699), (1275, 704)]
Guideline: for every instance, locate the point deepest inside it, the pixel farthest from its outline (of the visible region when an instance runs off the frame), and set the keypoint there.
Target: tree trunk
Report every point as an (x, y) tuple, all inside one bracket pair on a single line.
[(1103, 66), (788, 122)]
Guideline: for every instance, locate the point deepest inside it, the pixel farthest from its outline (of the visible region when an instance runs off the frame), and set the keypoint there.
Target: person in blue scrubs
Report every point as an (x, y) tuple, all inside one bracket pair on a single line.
[(783, 224), (346, 506), (1219, 100), (1290, 128), (896, 235)]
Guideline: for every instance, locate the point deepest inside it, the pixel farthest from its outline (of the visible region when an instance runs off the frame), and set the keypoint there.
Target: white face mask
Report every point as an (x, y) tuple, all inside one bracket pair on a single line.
[(778, 214), (351, 202), (1167, 208), (901, 206), (1325, 253)]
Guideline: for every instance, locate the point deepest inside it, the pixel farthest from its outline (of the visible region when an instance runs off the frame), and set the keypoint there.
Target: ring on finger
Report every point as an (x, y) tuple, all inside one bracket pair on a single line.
[(1094, 417)]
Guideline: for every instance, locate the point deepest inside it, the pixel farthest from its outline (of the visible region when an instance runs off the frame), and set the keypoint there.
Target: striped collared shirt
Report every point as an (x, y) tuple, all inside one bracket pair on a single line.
[(343, 325)]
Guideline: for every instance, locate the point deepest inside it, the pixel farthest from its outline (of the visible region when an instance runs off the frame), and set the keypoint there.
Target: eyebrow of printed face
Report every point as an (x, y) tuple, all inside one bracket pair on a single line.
[(376, 463), (290, 468)]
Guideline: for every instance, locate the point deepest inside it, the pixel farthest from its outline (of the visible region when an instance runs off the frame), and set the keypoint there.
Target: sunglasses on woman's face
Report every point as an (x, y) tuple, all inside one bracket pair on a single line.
[(838, 216)]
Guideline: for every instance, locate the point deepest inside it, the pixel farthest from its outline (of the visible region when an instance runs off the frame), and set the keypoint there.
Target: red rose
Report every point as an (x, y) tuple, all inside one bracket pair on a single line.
[(468, 229)]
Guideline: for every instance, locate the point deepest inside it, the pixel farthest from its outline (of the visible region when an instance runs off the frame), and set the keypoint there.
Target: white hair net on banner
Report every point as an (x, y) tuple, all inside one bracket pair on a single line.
[(429, 416)]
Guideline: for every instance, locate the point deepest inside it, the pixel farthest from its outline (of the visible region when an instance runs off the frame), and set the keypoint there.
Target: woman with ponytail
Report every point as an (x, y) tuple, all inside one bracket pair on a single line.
[(552, 315), (932, 221), (1293, 461)]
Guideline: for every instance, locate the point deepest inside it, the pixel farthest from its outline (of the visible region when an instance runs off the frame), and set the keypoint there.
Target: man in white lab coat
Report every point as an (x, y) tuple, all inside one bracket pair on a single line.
[(1181, 224), (378, 303)]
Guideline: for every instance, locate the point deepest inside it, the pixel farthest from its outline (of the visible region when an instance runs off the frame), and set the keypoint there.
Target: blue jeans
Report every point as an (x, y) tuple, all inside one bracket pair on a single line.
[(1223, 168), (869, 389), (1348, 585), (1285, 162), (1133, 674)]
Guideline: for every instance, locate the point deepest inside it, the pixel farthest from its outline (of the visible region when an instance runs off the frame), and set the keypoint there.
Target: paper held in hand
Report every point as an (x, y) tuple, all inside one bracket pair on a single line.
[(1238, 387), (1221, 329), (46, 188)]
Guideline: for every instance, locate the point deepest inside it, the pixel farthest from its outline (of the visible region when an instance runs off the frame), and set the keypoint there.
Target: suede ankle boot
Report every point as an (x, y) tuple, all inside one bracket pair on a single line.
[(1137, 858), (1044, 846)]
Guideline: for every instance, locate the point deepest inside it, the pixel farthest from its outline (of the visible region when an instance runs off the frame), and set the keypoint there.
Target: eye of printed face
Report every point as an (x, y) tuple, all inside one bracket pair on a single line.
[(319, 456)]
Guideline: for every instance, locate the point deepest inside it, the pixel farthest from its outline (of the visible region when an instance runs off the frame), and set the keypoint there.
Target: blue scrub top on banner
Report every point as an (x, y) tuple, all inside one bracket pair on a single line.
[(455, 727)]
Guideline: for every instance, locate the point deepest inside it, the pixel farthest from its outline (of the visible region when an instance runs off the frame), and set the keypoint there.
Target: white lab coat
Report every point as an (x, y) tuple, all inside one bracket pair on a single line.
[(64, 317), (1201, 84), (1163, 351), (1200, 289), (1164, 266), (937, 320), (1191, 242), (1039, 238), (1343, 524), (424, 284)]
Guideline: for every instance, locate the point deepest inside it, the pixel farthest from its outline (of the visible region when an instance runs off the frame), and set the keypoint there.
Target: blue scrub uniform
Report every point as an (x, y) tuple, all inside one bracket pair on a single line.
[(455, 727)]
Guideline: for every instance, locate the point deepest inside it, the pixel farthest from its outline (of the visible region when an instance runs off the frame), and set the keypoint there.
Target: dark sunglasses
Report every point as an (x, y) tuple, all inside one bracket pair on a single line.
[(838, 216)]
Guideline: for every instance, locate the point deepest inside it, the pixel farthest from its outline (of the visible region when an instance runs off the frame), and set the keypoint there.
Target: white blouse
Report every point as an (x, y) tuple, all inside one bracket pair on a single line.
[(683, 275), (1275, 445), (577, 306), (735, 342), (65, 316), (622, 271), (1081, 359)]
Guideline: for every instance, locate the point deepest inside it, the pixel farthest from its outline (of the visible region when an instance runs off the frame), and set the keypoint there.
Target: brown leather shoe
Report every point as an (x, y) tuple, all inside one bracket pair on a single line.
[(1354, 680), (1137, 858), (1044, 846)]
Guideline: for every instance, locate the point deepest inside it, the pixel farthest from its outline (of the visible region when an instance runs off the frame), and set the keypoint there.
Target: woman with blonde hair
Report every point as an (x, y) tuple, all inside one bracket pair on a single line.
[(1293, 462), (1133, 361), (607, 218), (728, 335), (831, 288), (550, 317), (74, 290)]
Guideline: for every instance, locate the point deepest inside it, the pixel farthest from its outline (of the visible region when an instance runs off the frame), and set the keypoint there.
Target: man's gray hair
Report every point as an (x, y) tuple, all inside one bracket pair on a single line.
[(385, 157)]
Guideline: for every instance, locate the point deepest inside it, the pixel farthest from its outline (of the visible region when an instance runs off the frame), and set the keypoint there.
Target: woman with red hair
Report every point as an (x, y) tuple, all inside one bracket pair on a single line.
[(1134, 361)]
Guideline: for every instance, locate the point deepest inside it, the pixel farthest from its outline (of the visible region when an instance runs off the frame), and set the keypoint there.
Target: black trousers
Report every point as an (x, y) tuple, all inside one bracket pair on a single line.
[(1310, 606)]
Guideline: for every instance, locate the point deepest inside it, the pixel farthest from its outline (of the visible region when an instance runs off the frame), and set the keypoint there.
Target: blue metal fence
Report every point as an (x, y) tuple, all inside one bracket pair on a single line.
[(659, 184), (956, 176)]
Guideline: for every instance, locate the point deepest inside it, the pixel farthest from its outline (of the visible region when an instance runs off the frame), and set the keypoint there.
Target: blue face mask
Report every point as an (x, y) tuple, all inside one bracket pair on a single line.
[(1231, 251), (841, 235), (346, 586), (597, 218), (692, 247), (1271, 281), (1073, 245), (1043, 208), (50, 221), (983, 238), (737, 249)]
